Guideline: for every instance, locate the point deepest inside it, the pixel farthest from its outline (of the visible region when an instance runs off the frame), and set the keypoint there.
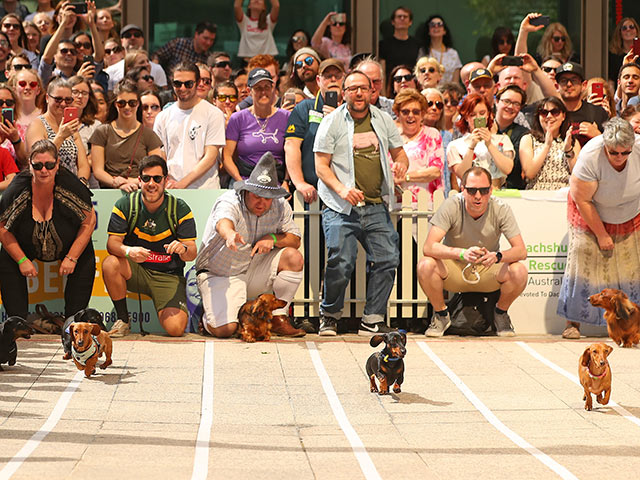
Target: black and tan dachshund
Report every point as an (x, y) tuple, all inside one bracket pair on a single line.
[(387, 364), (87, 315), (10, 331)]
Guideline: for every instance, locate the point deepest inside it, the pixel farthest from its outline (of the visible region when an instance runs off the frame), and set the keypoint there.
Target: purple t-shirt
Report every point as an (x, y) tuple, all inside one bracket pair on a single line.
[(255, 139)]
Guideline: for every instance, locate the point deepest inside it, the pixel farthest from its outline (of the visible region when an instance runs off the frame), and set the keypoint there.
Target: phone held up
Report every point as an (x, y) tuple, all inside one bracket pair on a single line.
[(541, 20), (70, 113), (597, 89), (479, 122), (79, 7), (7, 115), (509, 61), (331, 98)]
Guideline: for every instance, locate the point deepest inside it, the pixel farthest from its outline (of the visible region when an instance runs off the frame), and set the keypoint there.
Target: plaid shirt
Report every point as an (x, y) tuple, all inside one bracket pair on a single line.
[(177, 50), (213, 254)]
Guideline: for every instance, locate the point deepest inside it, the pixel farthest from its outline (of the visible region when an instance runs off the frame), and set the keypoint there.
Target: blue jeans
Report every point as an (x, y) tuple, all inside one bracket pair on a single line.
[(372, 227)]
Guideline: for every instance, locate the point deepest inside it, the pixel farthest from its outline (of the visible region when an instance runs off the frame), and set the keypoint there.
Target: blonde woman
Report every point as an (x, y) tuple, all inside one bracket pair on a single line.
[(555, 42), (621, 43), (428, 72)]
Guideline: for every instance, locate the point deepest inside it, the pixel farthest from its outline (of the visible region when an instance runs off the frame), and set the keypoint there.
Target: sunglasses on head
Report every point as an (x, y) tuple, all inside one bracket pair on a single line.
[(224, 98), (206, 81), (439, 105), (403, 78), (9, 26), (424, 70), (628, 27), (555, 111), (147, 178), (21, 66), (222, 64), (68, 51), (187, 84), (7, 103), (109, 51), (48, 165), (123, 103), (339, 24), (135, 34), (559, 39), (59, 100), (309, 61), (473, 190), (153, 108), (85, 45), (24, 83), (416, 111)]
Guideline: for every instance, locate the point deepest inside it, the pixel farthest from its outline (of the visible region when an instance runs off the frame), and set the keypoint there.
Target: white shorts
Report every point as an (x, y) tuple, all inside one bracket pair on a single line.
[(222, 297)]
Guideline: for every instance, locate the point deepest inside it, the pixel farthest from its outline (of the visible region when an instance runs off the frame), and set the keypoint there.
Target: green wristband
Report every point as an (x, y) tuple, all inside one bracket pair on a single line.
[(22, 260), (462, 254), (274, 238)]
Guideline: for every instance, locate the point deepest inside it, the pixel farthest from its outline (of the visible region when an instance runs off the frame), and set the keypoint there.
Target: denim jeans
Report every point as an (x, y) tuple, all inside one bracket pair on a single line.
[(372, 227)]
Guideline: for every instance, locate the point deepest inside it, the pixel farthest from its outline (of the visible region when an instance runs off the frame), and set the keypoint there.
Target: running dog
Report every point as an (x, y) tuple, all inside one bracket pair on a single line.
[(387, 364), (595, 374), (255, 317), (10, 330), (88, 315), (621, 314), (88, 343)]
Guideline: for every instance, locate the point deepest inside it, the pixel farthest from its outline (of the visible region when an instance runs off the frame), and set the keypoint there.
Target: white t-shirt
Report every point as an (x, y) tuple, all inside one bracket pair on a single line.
[(116, 73), (457, 149), (185, 134), (254, 41)]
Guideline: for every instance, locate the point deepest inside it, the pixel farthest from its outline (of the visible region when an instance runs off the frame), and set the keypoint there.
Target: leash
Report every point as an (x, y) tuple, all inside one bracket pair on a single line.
[(141, 317)]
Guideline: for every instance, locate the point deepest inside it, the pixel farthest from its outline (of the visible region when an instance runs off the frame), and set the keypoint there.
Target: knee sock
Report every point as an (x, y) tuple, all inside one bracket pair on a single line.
[(121, 309), (284, 288), (443, 313)]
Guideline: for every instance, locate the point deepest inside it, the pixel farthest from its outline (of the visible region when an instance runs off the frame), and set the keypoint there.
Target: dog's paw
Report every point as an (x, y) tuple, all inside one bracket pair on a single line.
[(66, 356), (397, 389)]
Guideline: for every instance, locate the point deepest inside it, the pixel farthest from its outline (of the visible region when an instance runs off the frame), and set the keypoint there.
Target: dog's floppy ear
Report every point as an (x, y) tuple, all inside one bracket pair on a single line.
[(586, 357), (622, 306), (95, 329), (376, 340), (72, 332), (404, 338), (607, 350)]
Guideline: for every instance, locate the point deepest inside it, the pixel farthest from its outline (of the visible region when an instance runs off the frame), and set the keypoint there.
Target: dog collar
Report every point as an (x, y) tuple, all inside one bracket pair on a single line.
[(387, 358), (82, 357), (598, 376)]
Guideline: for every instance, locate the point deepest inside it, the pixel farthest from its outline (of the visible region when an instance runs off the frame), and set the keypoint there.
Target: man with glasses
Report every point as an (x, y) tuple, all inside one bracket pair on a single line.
[(401, 48), (151, 236), (462, 252), (192, 130), (187, 49), (585, 118), (373, 69), (220, 63), (355, 181), (509, 102)]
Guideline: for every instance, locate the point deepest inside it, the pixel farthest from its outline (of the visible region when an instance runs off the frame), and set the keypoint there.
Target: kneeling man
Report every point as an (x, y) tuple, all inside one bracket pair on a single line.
[(464, 239), (250, 247)]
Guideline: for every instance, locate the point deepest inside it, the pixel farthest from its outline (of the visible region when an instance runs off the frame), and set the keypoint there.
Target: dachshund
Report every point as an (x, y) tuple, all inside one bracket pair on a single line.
[(621, 314), (387, 364), (10, 330), (88, 315), (595, 374), (88, 343), (255, 317)]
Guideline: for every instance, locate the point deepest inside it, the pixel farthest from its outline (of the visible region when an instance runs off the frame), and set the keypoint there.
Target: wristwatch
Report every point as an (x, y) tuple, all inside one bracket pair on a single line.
[(498, 257)]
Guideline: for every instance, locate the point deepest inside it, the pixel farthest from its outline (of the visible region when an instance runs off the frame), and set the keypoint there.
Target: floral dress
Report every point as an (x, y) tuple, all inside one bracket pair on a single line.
[(554, 173)]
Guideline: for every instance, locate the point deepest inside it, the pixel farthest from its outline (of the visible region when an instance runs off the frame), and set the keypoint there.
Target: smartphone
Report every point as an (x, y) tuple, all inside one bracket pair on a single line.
[(636, 46), (541, 20), (597, 89), (7, 115), (79, 7), (290, 98), (480, 122), (510, 60), (339, 17), (87, 58), (331, 98), (70, 113)]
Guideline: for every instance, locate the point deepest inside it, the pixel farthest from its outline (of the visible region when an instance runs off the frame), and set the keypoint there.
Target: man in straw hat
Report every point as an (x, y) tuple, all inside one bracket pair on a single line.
[(250, 247)]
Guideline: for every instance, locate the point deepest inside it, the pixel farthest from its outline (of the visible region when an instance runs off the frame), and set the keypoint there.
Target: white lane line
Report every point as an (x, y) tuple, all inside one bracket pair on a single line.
[(28, 448), (493, 420), (366, 464), (574, 378), (201, 458)]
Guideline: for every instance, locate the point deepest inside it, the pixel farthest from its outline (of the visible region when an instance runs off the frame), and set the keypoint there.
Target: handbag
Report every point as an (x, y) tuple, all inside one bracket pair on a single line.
[(43, 321)]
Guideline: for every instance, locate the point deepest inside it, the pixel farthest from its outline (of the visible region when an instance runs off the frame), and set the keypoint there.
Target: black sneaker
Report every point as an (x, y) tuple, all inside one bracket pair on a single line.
[(328, 327), (504, 327), (370, 329), (306, 325)]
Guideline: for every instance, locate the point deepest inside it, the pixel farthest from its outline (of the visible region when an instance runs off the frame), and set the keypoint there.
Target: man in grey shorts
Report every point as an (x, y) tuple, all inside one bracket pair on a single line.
[(462, 252)]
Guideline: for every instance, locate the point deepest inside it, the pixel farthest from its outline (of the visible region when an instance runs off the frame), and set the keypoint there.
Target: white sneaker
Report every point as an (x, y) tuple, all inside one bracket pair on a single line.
[(120, 329), (438, 326)]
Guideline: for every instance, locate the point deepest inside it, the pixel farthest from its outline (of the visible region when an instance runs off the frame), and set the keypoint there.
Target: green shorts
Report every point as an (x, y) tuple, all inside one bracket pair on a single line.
[(165, 289)]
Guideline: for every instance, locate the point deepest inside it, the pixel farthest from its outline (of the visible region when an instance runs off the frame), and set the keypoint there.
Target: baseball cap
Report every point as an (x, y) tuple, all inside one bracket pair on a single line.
[(480, 73), (257, 75), (129, 27), (570, 67), (331, 62)]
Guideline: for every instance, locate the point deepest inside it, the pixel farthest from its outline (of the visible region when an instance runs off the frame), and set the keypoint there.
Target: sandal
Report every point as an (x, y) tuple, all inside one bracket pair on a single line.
[(571, 333)]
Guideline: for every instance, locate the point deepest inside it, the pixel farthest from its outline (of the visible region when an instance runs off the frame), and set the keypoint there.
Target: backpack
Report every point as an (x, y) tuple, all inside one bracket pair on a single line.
[(134, 210), (472, 313)]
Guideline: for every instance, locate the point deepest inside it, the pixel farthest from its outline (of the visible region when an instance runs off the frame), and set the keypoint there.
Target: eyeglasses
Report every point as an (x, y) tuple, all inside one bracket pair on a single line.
[(24, 83), (424, 70), (79, 93), (205, 81), (124, 103), (9, 26), (68, 51), (555, 111), (335, 75), (222, 64), (511, 103), (618, 154), (451, 102), (59, 100), (436, 24), (403, 78), (624, 28), (85, 45), (147, 78), (48, 165), (147, 178), (309, 61), (473, 190), (355, 88), (7, 103), (109, 51), (416, 112), (439, 105), (188, 84), (548, 69), (135, 34), (559, 38), (224, 98), (153, 108)]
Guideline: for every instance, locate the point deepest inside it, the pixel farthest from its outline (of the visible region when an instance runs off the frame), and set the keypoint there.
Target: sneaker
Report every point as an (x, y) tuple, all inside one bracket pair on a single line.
[(438, 325), (377, 328), (306, 325), (120, 329), (328, 327), (504, 328)]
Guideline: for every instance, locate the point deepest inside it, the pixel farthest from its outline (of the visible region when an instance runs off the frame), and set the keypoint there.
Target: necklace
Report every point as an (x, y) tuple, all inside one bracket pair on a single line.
[(263, 125)]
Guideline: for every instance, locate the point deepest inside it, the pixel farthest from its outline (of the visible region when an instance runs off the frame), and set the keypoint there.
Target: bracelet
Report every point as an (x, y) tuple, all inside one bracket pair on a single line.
[(22, 260), (406, 178), (462, 254), (71, 259), (16, 142), (185, 248), (274, 238), (126, 252)]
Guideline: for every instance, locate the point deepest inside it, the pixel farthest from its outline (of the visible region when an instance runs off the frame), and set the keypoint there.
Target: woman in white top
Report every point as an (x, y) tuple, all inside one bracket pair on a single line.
[(332, 38), (439, 45), (256, 28)]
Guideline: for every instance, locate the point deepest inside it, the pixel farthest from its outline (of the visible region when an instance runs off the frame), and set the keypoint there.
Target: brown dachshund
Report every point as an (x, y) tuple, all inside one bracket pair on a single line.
[(621, 314), (255, 317), (595, 374), (88, 342)]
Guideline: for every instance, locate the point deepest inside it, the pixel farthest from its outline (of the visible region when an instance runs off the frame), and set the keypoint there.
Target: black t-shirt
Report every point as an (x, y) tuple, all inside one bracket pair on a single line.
[(587, 113), (515, 132), (399, 52)]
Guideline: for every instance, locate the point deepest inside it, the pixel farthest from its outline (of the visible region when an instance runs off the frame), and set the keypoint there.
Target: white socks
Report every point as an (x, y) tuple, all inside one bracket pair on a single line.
[(284, 287)]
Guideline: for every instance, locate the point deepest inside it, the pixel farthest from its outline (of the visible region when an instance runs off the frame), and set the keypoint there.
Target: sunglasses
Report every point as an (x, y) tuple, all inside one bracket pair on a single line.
[(222, 64), (206, 81), (85, 45), (548, 69), (113, 50), (439, 105), (24, 83), (564, 81), (451, 102), (338, 24), (224, 98), (19, 67), (124, 103), (505, 41), (187, 84), (132, 34), (555, 111), (48, 165), (147, 78), (436, 24), (309, 61), (7, 103), (59, 100), (618, 154), (424, 70), (153, 108), (627, 27), (403, 78), (559, 39), (416, 112), (9, 26), (147, 178), (473, 190), (298, 38), (68, 51)]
